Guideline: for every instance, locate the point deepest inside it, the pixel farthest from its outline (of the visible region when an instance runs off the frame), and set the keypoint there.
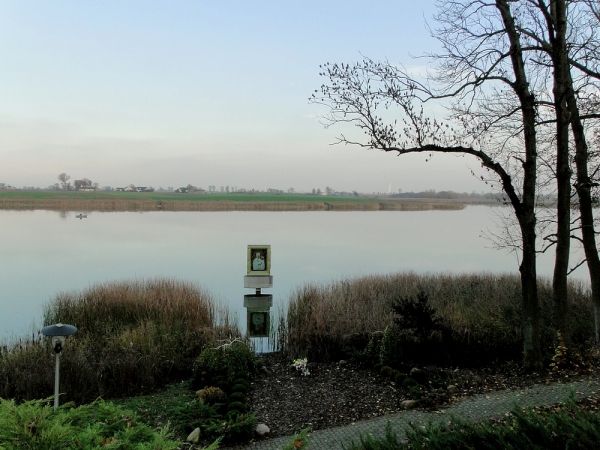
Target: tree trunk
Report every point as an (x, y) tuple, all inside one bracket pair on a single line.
[(583, 186), (532, 357), (525, 210), (563, 170)]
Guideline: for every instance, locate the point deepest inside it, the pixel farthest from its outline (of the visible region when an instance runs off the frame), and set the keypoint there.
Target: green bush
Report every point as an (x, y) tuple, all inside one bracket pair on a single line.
[(218, 364), (33, 425), (390, 352), (239, 388), (211, 395), (408, 382), (241, 381), (237, 428), (237, 397), (399, 378), (236, 406), (570, 428)]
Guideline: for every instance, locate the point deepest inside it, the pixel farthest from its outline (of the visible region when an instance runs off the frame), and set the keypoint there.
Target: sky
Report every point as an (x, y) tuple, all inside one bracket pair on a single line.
[(171, 93)]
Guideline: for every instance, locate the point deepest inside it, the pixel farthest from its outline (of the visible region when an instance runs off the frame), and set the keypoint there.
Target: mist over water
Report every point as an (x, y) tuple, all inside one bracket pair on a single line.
[(46, 252)]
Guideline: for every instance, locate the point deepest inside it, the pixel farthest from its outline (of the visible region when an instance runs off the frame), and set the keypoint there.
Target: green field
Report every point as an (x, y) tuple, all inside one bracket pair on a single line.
[(241, 197), (172, 201)]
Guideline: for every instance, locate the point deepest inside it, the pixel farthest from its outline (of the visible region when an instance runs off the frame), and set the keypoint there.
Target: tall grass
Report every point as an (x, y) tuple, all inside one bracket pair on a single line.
[(132, 337), (481, 311)]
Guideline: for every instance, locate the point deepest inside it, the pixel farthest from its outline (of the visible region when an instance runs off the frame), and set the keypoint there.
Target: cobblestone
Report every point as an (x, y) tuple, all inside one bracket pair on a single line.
[(483, 406)]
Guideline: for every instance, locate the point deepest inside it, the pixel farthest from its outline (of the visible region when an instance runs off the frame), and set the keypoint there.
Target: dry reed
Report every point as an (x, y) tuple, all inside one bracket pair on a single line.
[(132, 337), (482, 311), (145, 204)]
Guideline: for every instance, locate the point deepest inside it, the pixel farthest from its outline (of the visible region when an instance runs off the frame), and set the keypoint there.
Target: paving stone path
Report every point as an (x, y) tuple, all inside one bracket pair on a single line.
[(483, 406)]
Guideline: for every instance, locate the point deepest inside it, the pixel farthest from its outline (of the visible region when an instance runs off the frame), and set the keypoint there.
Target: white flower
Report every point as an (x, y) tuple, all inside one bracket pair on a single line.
[(301, 364)]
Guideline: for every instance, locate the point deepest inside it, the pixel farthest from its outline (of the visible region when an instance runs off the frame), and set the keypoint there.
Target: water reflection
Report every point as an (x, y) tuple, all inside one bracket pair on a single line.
[(44, 254)]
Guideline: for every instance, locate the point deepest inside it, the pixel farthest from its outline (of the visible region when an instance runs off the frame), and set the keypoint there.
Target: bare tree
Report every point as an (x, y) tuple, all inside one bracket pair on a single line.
[(64, 180), (564, 35), (491, 88)]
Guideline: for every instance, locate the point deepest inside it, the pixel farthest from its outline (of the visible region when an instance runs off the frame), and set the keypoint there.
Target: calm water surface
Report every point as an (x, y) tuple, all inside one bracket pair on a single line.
[(45, 252)]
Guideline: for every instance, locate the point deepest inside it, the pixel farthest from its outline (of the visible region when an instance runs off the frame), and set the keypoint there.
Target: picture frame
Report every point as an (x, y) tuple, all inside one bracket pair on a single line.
[(258, 323), (259, 260)]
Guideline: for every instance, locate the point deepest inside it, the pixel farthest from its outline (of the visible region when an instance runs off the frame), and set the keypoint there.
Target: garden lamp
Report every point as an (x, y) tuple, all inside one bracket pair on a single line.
[(58, 332)]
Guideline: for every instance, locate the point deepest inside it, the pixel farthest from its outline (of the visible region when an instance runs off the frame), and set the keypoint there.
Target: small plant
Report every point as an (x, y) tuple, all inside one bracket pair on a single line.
[(564, 358), (300, 440), (390, 352), (237, 397), (212, 395), (301, 365), (243, 388), (386, 371), (33, 425), (236, 406), (222, 362)]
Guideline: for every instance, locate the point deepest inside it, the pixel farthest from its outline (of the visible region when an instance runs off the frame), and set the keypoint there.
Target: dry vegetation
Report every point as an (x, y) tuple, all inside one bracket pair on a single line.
[(82, 203), (481, 311), (133, 337)]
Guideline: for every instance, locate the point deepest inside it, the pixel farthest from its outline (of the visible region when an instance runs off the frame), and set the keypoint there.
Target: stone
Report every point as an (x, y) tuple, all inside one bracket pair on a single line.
[(452, 389), (408, 404), (262, 430), (194, 436)]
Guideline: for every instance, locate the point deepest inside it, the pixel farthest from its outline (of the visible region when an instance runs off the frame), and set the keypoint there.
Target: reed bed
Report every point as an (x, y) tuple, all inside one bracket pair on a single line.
[(149, 204), (132, 338), (481, 311)]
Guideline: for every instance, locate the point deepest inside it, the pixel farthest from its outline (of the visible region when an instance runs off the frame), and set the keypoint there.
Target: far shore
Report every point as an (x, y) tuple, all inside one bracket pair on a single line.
[(159, 201)]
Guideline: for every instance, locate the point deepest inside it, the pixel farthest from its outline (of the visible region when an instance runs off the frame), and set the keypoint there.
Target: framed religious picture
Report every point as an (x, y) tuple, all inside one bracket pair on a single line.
[(259, 323), (259, 260)]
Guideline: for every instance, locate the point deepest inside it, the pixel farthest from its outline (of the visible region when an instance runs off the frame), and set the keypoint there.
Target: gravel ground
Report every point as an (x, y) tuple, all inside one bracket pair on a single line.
[(341, 393)]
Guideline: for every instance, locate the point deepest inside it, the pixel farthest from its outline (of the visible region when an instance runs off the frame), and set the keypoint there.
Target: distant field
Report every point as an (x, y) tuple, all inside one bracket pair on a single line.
[(170, 201)]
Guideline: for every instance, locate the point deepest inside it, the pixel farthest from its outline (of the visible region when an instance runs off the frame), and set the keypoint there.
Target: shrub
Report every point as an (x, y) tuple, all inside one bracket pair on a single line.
[(390, 352), (525, 429), (33, 425), (399, 378), (241, 381), (237, 428), (386, 371), (236, 406), (211, 395), (481, 313), (237, 397), (218, 363), (132, 338), (409, 382), (240, 388)]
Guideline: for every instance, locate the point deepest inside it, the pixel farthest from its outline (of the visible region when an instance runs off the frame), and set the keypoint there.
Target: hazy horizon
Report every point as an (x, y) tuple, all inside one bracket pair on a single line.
[(203, 93)]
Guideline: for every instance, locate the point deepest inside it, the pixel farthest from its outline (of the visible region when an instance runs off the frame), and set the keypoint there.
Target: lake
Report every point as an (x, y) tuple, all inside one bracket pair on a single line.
[(46, 252)]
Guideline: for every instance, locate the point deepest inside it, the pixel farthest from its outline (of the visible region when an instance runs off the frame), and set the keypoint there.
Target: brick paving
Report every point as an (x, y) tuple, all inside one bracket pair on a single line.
[(483, 406)]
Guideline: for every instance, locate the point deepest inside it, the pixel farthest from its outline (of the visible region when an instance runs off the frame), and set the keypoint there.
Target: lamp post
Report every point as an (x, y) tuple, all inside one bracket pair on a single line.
[(58, 332)]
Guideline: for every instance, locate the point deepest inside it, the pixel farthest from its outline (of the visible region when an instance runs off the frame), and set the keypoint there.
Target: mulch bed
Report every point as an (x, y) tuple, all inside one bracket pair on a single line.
[(340, 393)]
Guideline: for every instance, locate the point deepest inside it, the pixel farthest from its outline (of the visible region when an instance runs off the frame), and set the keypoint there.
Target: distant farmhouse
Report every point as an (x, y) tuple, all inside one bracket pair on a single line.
[(132, 188)]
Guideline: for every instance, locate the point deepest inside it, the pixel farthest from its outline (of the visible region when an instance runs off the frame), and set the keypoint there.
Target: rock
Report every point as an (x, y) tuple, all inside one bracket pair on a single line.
[(343, 362), (408, 404), (452, 389), (262, 430), (194, 436)]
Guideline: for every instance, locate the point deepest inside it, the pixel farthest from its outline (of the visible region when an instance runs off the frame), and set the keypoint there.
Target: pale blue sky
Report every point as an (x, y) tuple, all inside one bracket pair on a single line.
[(166, 93)]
